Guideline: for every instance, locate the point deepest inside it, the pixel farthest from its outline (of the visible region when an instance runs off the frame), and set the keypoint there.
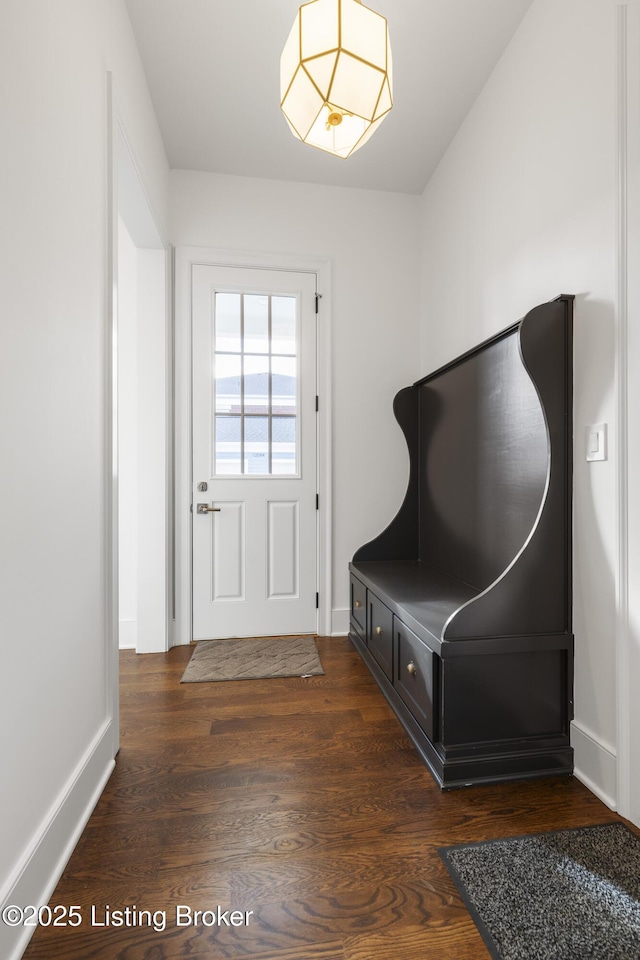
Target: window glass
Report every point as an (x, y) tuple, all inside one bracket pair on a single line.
[(255, 371), (256, 445), (256, 324), (283, 445), (227, 322), (283, 324), (228, 382), (228, 445)]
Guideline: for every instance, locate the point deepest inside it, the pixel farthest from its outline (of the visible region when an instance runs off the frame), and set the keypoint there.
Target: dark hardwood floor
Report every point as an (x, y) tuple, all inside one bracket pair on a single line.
[(300, 800)]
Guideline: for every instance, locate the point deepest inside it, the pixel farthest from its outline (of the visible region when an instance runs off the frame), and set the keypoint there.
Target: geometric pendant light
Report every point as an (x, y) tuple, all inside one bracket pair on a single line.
[(335, 75)]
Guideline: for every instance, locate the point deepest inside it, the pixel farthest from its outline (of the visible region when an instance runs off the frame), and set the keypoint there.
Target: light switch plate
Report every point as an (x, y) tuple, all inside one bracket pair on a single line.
[(596, 441)]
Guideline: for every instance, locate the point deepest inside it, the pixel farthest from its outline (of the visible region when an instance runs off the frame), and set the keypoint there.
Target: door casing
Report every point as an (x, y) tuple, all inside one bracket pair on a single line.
[(185, 259)]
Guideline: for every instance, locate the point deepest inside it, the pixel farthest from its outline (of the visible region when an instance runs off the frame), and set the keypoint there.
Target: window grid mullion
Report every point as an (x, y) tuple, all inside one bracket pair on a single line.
[(214, 385), (270, 398), (242, 412)]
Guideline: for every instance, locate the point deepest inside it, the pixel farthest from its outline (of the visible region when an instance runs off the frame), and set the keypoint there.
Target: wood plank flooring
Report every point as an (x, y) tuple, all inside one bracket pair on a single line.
[(300, 800)]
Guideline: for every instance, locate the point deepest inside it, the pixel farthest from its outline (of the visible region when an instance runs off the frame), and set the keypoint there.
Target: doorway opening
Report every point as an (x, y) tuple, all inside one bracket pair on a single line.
[(143, 418)]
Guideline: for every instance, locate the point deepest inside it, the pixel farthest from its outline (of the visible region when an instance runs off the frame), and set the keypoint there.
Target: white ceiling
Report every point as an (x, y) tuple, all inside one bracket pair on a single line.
[(213, 71)]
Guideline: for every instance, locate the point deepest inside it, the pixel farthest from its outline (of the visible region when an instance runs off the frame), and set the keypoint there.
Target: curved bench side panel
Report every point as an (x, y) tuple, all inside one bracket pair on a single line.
[(533, 594), (399, 541), (483, 462)]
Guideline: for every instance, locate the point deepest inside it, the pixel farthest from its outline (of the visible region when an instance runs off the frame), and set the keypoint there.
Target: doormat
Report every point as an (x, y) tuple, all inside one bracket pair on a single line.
[(253, 659), (566, 895)]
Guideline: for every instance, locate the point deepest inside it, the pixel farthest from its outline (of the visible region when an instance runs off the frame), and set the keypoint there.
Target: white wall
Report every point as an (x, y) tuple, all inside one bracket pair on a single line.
[(55, 708), (371, 240), (521, 209)]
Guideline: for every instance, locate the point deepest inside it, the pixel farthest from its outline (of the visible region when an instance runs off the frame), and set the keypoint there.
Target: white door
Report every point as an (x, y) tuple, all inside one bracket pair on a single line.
[(254, 452)]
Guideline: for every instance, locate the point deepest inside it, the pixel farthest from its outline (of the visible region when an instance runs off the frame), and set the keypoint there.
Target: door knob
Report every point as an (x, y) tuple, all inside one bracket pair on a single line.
[(205, 508)]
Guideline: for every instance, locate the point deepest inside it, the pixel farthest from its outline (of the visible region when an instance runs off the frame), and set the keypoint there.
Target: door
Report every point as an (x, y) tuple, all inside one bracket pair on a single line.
[(254, 452)]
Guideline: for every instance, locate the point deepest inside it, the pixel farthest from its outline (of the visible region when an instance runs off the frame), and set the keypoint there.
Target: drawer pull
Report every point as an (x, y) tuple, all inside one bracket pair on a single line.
[(379, 630), (411, 668), (358, 604)]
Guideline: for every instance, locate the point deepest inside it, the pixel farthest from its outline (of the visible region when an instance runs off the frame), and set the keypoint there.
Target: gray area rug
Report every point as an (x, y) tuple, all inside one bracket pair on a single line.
[(253, 659), (567, 895)]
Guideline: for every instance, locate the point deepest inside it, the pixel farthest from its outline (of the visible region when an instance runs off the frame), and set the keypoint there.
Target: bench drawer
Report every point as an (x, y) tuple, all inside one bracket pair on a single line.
[(380, 634), (359, 606), (415, 677)]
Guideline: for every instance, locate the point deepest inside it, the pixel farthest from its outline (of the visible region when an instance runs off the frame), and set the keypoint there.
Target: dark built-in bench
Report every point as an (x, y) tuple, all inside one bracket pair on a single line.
[(461, 608)]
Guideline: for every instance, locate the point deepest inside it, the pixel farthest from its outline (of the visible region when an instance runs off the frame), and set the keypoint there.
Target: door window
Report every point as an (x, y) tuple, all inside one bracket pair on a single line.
[(256, 390)]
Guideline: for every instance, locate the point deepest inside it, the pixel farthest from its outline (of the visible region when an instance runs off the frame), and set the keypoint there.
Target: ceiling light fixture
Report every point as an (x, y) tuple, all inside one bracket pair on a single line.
[(335, 75)]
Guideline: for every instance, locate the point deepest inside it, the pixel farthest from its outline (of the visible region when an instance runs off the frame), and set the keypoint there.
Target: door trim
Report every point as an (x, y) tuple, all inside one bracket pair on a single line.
[(627, 309), (185, 259)]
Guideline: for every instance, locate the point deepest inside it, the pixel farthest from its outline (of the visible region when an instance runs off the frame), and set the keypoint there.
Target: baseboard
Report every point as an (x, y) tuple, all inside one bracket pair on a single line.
[(34, 879), (128, 634), (339, 628), (595, 764), (181, 641), (340, 622)]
